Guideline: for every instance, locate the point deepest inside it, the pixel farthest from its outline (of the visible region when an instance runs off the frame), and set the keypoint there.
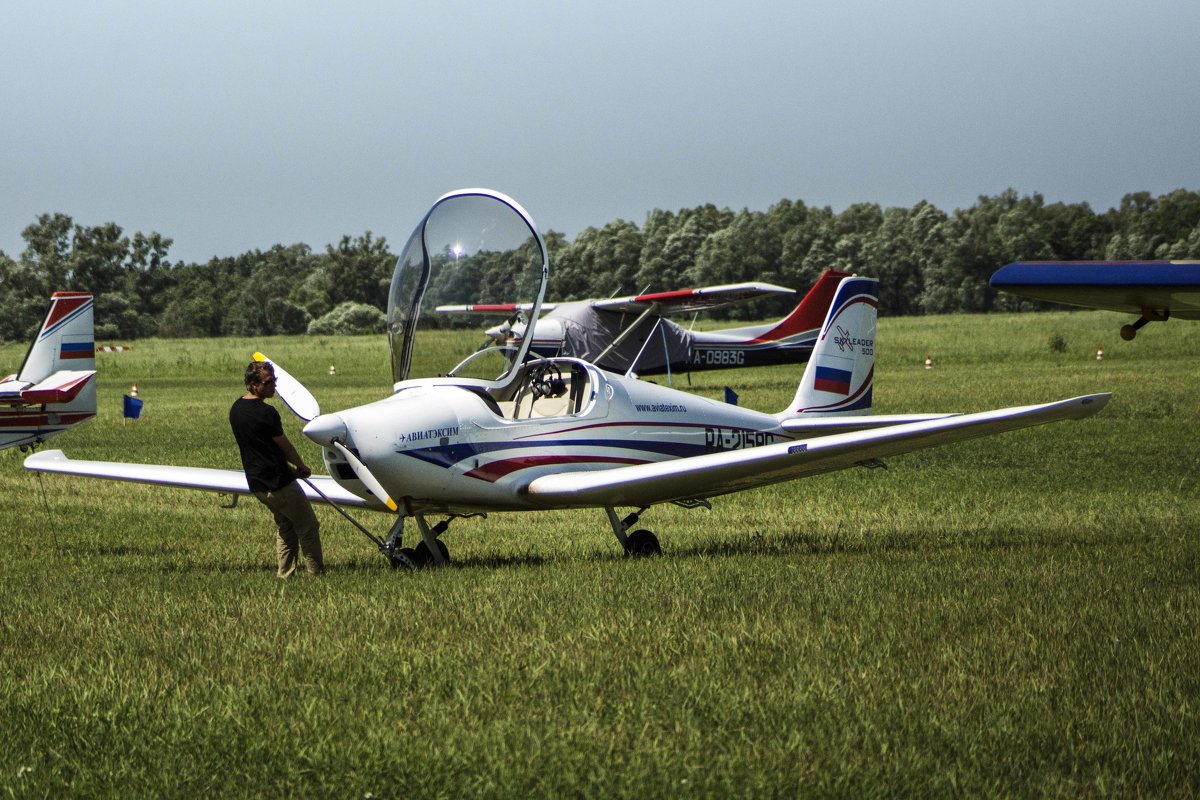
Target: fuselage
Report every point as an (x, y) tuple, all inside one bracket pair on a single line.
[(20, 427), (691, 351), (451, 446)]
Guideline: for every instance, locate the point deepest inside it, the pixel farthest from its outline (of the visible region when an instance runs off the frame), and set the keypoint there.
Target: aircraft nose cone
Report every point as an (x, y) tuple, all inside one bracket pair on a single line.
[(325, 428)]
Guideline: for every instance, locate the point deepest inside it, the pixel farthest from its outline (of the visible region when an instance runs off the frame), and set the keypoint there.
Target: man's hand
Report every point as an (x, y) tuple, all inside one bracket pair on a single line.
[(300, 468)]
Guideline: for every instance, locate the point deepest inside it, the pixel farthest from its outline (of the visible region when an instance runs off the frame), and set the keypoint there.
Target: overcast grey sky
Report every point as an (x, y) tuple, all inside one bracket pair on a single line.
[(230, 126)]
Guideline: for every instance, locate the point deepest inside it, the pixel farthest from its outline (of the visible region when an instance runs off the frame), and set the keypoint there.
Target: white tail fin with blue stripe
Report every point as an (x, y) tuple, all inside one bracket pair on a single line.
[(841, 370)]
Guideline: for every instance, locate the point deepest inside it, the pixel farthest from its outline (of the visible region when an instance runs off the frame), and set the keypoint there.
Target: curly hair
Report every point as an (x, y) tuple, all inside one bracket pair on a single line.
[(259, 374)]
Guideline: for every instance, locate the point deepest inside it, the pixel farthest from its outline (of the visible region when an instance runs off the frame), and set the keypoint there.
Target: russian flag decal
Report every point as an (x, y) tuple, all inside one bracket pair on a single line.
[(829, 379), (71, 350)]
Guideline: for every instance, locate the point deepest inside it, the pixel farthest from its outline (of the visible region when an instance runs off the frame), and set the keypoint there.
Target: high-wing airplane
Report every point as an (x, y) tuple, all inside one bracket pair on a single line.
[(1155, 290), (55, 388), (500, 432), (633, 334)]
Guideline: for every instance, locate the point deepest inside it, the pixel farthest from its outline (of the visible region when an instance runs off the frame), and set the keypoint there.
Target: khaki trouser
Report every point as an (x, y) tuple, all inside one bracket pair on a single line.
[(298, 529)]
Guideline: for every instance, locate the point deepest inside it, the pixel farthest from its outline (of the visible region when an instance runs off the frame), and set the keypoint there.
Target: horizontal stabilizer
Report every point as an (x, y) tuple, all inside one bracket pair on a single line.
[(720, 473), (228, 481), (61, 387), (10, 390)]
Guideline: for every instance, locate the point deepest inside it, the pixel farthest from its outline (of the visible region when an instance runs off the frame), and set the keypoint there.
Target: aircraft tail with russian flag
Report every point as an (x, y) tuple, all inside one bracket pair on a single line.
[(834, 395), (55, 389), (841, 370)]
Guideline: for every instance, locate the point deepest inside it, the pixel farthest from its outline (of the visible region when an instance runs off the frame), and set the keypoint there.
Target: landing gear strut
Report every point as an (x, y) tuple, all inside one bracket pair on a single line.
[(1148, 315), (640, 542), (399, 557), (430, 551)]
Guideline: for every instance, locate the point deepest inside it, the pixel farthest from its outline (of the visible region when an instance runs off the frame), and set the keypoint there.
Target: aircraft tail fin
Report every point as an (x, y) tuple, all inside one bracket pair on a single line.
[(841, 370), (54, 389), (809, 312), (66, 340)]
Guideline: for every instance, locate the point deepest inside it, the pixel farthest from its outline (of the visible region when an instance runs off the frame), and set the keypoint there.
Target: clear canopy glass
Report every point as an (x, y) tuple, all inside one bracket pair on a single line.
[(475, 246)]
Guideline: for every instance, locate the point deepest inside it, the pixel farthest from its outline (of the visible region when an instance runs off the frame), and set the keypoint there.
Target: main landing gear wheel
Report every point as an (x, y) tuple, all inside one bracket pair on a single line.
[(1128, 332), (423, 558), (642, 543)]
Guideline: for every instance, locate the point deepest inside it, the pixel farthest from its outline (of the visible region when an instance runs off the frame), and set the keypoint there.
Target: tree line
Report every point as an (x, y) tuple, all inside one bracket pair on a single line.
[(928, 261)]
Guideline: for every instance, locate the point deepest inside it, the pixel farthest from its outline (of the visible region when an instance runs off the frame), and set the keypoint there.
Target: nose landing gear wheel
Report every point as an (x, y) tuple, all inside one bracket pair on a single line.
[(404, 558), (643, 543), (423, 558)]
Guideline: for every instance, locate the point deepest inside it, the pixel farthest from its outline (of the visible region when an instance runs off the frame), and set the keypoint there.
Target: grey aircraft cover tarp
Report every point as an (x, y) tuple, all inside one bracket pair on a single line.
[(587, 332)]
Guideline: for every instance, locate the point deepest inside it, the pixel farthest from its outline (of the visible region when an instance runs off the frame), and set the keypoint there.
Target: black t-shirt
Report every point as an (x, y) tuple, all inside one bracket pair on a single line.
[(255, 425)]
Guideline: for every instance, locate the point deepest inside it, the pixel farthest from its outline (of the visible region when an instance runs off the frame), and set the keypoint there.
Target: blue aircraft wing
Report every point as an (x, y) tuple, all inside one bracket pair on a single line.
[(1158, 288)]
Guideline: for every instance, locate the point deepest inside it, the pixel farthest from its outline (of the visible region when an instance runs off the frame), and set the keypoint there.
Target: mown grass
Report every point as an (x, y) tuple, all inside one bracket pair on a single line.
[(1008, 616)]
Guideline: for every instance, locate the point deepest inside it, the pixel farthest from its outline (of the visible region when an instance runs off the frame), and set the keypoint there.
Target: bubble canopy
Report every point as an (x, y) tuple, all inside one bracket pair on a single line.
[(474, 246)]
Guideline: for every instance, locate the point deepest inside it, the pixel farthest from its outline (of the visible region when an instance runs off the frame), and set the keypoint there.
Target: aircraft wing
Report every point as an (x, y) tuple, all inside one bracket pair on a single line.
[(682, 301), (1128, 286), (227, 481), (735, 470), (824, 426), (493, 309), (685, 301)]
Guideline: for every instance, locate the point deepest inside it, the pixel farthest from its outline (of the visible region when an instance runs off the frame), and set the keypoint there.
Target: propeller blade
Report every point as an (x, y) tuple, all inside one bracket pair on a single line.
[(292, 392), (364, 475)]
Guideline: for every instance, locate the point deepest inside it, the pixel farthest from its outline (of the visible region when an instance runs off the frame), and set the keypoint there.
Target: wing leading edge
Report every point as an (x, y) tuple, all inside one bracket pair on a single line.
[(722, 473), (227, 481)]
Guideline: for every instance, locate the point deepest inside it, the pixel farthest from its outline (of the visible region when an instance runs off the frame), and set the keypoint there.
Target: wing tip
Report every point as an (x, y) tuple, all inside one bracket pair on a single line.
[(1093, 403), (35, 460)]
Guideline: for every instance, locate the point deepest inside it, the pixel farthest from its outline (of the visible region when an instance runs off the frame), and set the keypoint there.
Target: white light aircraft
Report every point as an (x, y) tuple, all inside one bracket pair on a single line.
[(54, 390), (501, 432), (633, 334)]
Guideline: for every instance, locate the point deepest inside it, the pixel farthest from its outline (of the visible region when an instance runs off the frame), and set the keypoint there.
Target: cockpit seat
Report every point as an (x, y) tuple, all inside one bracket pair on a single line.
[(551, 406)]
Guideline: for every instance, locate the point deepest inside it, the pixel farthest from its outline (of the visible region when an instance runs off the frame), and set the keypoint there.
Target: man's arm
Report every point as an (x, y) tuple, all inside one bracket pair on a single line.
[(289, 452)]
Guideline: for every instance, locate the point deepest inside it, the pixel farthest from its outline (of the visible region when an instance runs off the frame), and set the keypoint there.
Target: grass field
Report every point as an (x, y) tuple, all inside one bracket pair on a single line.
[(1012, 616)]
